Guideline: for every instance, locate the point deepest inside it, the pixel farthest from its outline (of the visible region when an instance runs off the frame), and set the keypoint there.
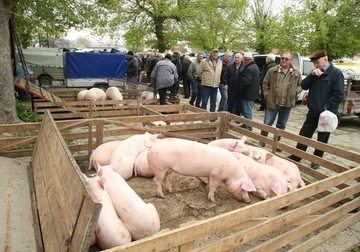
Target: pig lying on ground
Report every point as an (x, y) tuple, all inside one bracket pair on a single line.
[(113, 93), (128, 150), (102, 153), (141, 167), (110, 230), (95, 94), (139, 218), (231, 144), (81, 95), (287, 168), (268, 180), (196, 159)]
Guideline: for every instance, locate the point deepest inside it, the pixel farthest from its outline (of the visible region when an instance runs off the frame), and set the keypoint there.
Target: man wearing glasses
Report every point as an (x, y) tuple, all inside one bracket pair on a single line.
[(281, 86), (326, 90)]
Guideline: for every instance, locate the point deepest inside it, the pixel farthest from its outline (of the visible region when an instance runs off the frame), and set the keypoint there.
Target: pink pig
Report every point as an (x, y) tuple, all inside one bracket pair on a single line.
[(196, 159), (110, 230), (81, 95), (128, 150), (103, 153), (140, 218), (113, 93), (95, 94), (268, 180), (289, 170), (231, 144), (141, 167)]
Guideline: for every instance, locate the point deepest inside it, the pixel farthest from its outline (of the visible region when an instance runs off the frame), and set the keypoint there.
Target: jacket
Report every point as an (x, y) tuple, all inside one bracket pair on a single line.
[(293, 88), (164, 74), (249, 82), (132, 67), (265, 69), (325, 91), (192, 72), (229, 76), (209, 75)]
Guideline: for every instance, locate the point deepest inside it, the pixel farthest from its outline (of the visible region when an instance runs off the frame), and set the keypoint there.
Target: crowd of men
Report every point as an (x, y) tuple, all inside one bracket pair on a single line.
[(241, 82)]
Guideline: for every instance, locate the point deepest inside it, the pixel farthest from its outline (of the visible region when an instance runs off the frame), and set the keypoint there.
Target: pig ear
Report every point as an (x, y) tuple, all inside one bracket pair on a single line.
[(248, 185), (102, 181), (233, 144), (269, 155), (97, 167), (276, 188)]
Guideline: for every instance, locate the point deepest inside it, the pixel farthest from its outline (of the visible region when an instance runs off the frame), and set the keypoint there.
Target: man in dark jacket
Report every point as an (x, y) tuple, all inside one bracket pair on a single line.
[(132, 70), (186, 80), (249, 87), (177, 62), (270, 62), (326, 91), (231, 80)]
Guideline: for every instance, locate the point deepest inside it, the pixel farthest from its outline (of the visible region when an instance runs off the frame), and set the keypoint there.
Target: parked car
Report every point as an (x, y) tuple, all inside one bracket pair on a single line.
[(19, 93)]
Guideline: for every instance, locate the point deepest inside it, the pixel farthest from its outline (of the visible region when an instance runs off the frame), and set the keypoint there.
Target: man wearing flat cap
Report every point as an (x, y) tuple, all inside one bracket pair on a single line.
[(326, 91)]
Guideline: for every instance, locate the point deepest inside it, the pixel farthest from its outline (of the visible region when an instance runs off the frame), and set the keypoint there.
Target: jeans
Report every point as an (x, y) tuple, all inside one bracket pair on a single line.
[(234, 101), (224, 98), (206, 93), (270, 115), (248, 107), (133, 80), (162, 95), (196, 93)]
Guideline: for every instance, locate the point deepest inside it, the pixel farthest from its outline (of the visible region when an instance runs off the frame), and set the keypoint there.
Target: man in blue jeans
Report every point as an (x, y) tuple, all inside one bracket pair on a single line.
[(223, 87), (209, 72), (281, 85)]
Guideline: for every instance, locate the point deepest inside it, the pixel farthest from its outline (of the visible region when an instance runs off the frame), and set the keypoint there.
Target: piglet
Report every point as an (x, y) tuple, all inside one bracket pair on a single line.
[(128, 150), (103, 153), (231, 144), (110, 230), (268, 180), (139, 218), (200, 160), (81, 95), (141, 167), (95, 94), (113, 93)]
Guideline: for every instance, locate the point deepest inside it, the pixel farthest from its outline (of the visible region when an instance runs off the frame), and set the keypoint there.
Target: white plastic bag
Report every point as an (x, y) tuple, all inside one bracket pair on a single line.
[(328, 121)]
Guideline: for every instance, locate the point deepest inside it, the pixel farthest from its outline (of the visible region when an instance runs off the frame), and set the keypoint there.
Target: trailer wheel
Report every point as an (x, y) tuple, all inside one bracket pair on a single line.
[(45, 81), (102, 86)]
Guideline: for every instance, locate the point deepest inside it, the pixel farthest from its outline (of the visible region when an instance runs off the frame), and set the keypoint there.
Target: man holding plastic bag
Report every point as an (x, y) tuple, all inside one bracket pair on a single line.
[(326, 90)]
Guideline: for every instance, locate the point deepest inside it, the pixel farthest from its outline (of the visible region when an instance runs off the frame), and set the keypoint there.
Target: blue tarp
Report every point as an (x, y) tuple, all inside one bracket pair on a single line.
[(94, 65)]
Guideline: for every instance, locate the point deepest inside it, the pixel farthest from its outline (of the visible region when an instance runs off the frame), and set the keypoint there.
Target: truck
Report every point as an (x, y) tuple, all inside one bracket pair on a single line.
[(76, 69), (47, 64), (350, 106)]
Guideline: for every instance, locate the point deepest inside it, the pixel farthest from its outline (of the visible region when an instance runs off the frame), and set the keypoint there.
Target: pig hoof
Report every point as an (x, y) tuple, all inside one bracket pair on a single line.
[(160, 195)]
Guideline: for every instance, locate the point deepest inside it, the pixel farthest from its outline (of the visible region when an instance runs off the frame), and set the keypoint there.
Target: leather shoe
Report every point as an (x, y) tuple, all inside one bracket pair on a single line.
[(191, 103), (261, 144), (243, 126), (314, 166)]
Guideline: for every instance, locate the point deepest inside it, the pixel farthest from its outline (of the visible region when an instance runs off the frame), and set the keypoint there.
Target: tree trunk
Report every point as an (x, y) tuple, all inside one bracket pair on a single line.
[(7, 97)]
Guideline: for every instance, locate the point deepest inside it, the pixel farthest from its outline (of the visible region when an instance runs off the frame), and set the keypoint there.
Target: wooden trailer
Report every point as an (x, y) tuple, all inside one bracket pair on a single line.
[(296, 221)]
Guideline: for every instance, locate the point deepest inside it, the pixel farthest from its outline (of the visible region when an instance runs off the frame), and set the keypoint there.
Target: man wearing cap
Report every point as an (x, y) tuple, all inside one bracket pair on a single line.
[(209, 72), (249, 87), (132, 70), (270, 62), (326, 90), (281, 86)]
